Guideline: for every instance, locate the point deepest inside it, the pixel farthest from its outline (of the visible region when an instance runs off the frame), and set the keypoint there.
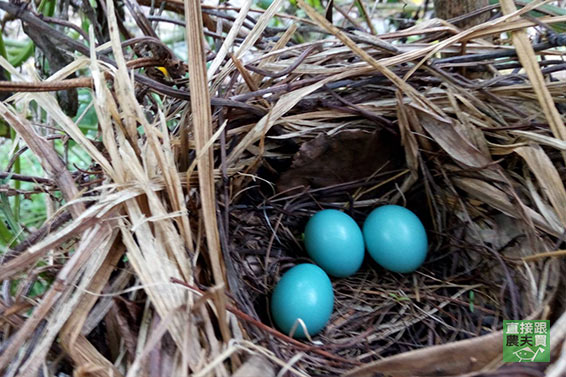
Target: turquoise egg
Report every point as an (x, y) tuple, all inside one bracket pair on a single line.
[(395, 238), (304, 292), (335, 242)]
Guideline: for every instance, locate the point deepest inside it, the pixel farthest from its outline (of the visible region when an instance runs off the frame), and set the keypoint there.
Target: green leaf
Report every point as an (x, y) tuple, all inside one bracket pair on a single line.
[(548, 8), (6, 237), (88, 120), (4, 55), (6, 210), (264, 4), (23, 54)]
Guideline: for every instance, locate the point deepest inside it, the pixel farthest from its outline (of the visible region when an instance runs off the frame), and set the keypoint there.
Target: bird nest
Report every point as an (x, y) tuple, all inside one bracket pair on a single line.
[(163, 257)]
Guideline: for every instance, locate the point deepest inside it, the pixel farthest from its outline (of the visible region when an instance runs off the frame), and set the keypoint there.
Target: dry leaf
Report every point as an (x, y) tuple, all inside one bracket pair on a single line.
[(443, 360), (348, 156)]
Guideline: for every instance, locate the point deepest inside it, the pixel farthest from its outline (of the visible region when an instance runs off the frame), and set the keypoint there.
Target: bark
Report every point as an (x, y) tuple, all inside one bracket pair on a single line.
[(447, 9), (450, 9)]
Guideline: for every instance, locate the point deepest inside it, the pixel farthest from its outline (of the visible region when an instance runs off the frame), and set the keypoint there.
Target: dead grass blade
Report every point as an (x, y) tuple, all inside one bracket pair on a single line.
[(49, 159), (382, 68), (529, 62), (72, 338), (77, 279), (95, 238), (229, 41), (202, 125)]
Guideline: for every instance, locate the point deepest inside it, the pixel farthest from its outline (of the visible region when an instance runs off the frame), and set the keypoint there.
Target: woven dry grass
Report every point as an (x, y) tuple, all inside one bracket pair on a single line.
[(164, 255)]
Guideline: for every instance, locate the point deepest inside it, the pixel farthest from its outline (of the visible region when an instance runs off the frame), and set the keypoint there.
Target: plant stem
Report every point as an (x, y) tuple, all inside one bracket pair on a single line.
[(46, 7), (4, 55), (17, 184)]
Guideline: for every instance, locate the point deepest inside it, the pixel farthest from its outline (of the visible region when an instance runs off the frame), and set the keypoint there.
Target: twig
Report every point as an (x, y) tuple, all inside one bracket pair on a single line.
[(26, 178), (68, 24), (45, 86), (489, 56), (290, 68), (238, 313)]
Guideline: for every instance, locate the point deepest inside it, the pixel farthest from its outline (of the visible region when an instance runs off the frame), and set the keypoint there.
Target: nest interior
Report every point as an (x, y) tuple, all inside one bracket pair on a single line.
[(472, 279), (163, 252)]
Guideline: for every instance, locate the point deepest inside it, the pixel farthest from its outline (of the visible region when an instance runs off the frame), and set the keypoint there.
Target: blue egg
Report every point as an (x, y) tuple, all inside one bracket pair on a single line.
[(335, 242), (395, 238), (304, 292)]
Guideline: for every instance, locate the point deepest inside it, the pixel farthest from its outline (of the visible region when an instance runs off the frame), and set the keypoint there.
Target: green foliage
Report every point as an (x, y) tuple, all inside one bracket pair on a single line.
[(313, 3), (38, 288), (6, 237), (31, 211), (17, 184), (548, 8), (22, 54), (398, 298), (10, 218), (86, 114), (4, 54), (264, 4)]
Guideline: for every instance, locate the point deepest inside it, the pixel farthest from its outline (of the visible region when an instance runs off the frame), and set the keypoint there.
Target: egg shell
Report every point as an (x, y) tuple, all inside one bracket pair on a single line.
[(305, 292), (335, 242), (395, 238)]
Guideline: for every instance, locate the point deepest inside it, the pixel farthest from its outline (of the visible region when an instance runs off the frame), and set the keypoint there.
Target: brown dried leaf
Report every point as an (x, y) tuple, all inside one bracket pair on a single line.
[(454, 143), (442, 360), (547, 177), (499, 200), (345, 157), (126, 326)]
